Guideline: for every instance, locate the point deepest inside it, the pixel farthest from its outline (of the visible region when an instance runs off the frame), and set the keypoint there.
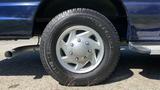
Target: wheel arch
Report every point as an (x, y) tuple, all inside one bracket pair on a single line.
[(114, 10)]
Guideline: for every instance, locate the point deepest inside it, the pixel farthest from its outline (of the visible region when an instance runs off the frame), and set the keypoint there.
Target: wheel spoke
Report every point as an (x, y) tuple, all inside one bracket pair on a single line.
[(95, 44), (79, 66), (68, 60), (85, 34), (72, 36), (93, 59), (63, 46)]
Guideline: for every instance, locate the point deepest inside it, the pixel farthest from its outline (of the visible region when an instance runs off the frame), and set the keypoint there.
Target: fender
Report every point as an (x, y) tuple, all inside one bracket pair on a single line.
[(106, 7), (27, 15), (114, 10)]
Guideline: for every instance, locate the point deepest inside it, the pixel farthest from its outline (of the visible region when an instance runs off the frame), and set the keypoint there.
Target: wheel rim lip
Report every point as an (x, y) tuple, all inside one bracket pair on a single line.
[(99, 58)]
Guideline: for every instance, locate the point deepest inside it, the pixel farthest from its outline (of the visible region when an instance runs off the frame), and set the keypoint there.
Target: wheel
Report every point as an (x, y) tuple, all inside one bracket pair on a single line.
[(79, 47)]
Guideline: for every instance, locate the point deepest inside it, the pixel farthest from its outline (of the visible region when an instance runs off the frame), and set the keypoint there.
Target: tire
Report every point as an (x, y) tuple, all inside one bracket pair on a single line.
[(85, 17)]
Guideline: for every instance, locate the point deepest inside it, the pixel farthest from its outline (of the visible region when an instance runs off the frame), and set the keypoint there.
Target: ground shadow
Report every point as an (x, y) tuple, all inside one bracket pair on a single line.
[(150, 66), (29, 63)]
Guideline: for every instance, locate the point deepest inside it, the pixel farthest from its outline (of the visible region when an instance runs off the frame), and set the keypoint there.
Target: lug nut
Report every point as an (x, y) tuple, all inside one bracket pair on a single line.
[(85, 57), (90, 51), (72, 44), (79, 40), (87, 43), (77, 58), (71, 53)]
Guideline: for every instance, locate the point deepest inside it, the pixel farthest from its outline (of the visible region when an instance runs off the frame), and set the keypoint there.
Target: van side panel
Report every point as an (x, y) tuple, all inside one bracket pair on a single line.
[(144, 16), (16, 18)]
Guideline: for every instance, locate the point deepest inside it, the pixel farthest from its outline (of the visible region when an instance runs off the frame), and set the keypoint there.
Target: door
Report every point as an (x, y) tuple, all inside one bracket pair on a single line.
[(16, 18), (144, 16)]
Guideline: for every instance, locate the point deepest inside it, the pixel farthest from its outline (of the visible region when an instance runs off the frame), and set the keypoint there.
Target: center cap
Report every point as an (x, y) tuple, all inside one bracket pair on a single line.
[(81, 49)]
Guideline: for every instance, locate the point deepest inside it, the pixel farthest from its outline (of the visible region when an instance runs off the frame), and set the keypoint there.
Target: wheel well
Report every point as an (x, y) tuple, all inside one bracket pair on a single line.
[(112, 9)]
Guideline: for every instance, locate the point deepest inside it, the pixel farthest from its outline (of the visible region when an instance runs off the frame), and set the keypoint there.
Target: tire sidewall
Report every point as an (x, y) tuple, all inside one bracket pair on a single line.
[(97, 22)]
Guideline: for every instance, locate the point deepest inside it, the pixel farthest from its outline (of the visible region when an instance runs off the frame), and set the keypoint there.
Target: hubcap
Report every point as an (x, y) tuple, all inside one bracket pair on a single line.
[(80, 49)]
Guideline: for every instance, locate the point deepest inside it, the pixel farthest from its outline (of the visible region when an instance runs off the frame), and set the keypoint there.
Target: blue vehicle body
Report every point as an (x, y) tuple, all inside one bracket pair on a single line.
[(17, 18), (144, 17)]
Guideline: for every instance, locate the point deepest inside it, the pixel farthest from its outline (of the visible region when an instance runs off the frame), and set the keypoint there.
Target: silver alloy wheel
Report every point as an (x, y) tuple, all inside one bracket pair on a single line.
[(80, 49)]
